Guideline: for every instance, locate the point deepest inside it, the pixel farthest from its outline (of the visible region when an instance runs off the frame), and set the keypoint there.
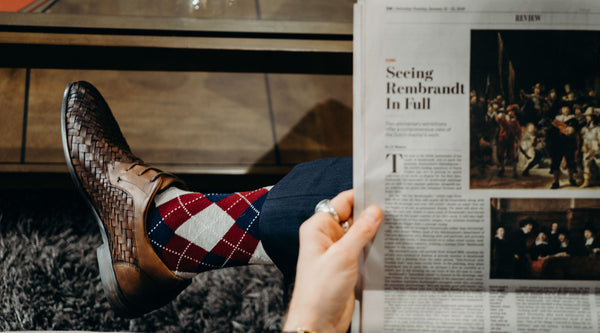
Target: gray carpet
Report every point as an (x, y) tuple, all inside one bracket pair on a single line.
[(49, 278)]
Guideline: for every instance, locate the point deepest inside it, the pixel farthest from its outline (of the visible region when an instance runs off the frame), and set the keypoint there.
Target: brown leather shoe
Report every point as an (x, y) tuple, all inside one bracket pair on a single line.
[(120, 188)]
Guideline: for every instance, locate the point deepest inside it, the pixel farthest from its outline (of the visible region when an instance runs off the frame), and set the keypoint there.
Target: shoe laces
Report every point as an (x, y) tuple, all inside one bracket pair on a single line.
[(148, 168)]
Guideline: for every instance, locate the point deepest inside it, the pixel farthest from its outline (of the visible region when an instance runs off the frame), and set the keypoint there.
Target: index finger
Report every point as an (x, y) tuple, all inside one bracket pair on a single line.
[(322, 223), (343, 203)]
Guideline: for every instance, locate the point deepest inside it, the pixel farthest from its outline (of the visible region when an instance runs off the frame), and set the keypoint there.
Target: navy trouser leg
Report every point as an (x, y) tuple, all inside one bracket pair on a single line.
[(292, 200)]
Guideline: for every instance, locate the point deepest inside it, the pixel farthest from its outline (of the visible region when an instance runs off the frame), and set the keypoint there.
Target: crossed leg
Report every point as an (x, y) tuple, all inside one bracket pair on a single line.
[(156, 235)]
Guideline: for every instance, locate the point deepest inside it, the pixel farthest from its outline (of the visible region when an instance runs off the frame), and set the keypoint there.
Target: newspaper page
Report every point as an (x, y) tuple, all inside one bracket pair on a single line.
[(476, 126)]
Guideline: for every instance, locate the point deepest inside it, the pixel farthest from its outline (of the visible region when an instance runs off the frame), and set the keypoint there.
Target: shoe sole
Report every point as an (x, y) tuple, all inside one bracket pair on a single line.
[(107, 273)]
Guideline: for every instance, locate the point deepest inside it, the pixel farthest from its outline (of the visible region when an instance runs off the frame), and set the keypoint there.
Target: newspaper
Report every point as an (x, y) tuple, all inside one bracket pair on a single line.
[(475, 131)]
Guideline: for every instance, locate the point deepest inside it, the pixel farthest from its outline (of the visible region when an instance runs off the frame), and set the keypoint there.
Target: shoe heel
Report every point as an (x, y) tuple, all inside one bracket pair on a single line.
[(109, 282)]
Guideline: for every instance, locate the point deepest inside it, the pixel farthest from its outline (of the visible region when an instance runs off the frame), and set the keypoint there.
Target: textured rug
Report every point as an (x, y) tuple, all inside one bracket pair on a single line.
[(49, 278)]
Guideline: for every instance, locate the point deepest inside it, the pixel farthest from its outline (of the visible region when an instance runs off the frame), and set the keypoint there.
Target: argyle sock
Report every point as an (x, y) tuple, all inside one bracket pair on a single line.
[(194, 232)]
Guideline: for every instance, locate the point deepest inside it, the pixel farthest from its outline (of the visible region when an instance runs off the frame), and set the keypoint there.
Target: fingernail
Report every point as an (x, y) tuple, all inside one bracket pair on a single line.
[(370, 214)]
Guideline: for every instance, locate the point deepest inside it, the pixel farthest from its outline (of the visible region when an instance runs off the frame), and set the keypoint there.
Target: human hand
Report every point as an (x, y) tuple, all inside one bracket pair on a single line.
[(323, 296)]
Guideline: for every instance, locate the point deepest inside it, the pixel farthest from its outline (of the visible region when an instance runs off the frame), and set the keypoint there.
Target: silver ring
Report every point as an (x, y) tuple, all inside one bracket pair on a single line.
[(345, 225), (325, 206)]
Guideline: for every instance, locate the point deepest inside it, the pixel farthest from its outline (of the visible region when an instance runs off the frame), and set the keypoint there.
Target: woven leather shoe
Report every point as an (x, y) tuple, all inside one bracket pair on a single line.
[(119, 188)]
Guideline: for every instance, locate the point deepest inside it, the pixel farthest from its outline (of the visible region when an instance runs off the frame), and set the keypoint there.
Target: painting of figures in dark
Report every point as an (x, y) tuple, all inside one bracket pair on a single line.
[(534, 109), (555, 239)]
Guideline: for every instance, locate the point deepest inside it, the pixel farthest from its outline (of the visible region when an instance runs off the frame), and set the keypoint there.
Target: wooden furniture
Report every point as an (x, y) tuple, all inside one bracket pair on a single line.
[(196, 96)]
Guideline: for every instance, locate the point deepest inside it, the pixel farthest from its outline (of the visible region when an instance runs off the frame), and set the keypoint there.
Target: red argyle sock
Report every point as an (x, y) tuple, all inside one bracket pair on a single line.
[(195, 232)]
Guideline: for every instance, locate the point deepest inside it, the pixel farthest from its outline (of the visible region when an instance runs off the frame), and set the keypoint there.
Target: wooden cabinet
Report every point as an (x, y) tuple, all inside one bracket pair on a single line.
[(192, 95)]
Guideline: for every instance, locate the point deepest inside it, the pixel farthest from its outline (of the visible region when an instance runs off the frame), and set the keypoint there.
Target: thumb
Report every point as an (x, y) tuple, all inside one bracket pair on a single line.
[(362, 231)]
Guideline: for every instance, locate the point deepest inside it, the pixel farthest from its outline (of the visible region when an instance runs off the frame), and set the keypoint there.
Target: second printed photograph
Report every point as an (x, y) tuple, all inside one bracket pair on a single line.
[(556, 239)]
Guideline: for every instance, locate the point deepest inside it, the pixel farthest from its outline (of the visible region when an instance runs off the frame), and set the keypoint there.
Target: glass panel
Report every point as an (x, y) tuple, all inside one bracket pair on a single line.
[(278, 10)]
